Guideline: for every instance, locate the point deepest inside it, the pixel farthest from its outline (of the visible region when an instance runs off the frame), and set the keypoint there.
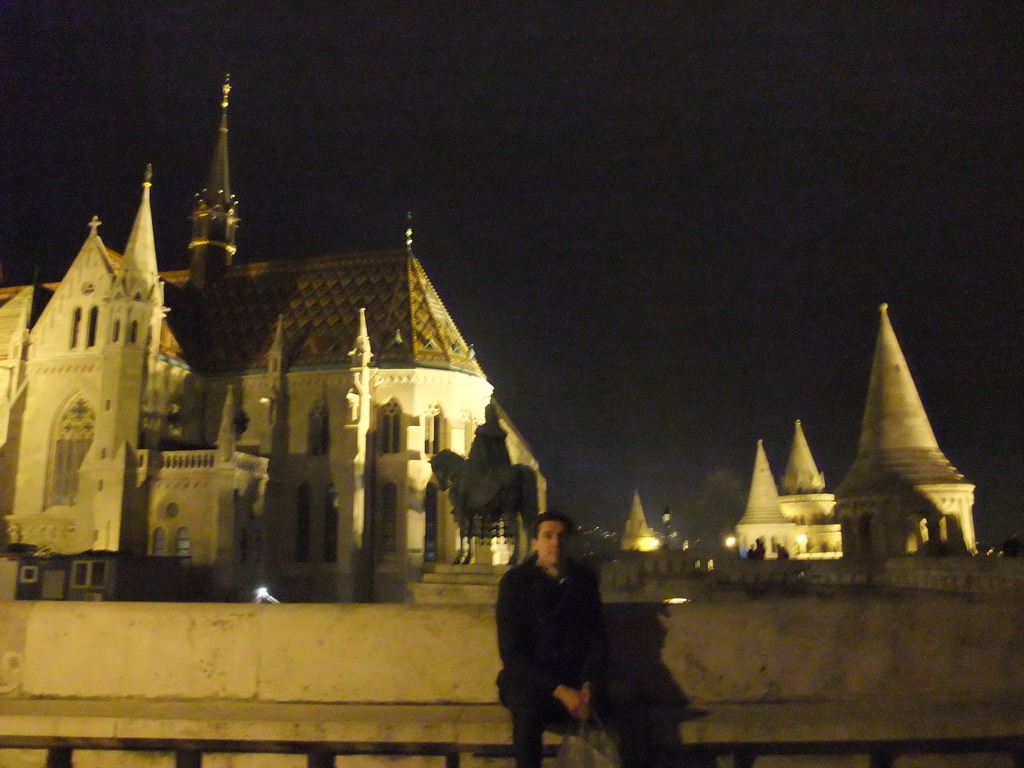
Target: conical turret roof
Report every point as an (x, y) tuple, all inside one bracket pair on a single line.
[(802, 475), (636, 524), (897, 444), (763, 501)]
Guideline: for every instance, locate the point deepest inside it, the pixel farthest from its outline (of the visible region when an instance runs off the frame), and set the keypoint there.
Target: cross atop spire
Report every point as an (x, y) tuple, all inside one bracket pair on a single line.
[(94, 224), (147, 179), (408, 231)]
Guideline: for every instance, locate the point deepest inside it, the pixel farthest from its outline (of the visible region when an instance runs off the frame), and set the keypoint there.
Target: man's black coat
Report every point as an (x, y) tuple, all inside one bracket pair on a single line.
[(550, 632)]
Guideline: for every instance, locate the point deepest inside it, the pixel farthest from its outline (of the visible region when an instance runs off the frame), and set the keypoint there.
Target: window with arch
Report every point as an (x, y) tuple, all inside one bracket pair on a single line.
[(75, 429), (159, 546), (433, 429), (116, 334), (94, 319), (387, 523), (76, 326), (330, 525), (391, 427), (319, 430), (133, 331), (302, 523), (182, 543)]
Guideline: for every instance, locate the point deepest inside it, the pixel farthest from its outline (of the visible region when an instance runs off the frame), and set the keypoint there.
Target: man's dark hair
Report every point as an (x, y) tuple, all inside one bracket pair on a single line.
[(551, 516)]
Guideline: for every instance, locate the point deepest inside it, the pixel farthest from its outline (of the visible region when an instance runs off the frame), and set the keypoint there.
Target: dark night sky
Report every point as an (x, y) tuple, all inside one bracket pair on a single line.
[(666, 228)]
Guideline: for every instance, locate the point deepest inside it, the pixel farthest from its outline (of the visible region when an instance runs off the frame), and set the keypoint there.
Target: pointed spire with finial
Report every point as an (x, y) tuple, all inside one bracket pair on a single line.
[(218, 186), (896, 436), (214, 221), (408, 232), (361, 354), (802, 475), (140, 265), (763, 499)]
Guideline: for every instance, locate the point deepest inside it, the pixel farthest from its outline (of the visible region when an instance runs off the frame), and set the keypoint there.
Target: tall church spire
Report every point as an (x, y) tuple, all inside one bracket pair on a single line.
[(802, 475), (213, 217)]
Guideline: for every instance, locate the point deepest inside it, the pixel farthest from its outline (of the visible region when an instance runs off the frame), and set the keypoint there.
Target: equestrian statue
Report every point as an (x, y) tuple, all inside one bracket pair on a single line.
[(490, 496)]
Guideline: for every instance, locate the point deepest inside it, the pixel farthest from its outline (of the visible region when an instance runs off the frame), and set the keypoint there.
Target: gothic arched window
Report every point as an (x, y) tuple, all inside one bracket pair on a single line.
[(94, 318), (133, 331), (302, 523), (74, 436), (433, 429), (116, 336), (76, 326), (182, 543), (159, 543), (319, 430), (391, 427)]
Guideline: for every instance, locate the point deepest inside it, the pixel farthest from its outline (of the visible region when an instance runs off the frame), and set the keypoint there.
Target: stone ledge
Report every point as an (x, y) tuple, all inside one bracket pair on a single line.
[(258, 726)]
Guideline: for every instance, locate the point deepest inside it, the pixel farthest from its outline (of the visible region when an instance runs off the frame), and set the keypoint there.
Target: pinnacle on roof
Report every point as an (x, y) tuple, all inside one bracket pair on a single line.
[(763, 500), (896, 437), (802, 475), (140, 253)]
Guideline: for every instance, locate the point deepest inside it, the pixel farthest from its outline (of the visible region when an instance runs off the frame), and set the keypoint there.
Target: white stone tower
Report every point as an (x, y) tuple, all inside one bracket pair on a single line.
[(763, 517), (901, 495), (638, 534), (805, 503)]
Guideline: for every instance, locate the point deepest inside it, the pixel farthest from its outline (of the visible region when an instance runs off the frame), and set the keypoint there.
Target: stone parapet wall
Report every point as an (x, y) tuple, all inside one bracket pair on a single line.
[(708, 576), (829, 649)]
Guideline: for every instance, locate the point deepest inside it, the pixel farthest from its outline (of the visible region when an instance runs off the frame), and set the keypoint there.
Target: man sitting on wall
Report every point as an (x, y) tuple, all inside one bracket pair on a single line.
[(551, 638)]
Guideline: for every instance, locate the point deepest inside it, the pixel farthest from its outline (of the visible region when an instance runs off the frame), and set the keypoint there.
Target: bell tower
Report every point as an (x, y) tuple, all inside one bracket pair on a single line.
[(214, 221)]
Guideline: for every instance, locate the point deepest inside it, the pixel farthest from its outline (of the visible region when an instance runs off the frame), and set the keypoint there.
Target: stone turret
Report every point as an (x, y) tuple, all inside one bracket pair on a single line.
[(638, 534), (805, 502), (901, 495), (763, 518)]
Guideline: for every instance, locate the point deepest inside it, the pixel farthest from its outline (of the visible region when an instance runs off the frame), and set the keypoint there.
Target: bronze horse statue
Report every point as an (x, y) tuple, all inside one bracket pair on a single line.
[(490, 495)]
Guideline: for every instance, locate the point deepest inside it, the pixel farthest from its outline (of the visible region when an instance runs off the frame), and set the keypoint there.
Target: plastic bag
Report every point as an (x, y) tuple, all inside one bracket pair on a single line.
[(591, 747)]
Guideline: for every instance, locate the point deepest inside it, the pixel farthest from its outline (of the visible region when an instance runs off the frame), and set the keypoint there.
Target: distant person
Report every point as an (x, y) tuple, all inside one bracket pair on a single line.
[(1013, 547), (757, 552), (782, 552), (551, 638)]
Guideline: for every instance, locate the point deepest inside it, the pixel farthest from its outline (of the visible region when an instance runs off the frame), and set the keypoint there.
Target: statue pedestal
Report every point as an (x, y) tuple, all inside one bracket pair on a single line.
[(457, 584)]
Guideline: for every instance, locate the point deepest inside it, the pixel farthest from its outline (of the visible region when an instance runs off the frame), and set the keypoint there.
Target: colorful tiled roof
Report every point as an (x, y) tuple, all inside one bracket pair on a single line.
[(232, 322)]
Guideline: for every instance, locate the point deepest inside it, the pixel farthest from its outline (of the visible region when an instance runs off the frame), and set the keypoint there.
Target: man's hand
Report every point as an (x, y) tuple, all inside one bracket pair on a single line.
[(575, 701)]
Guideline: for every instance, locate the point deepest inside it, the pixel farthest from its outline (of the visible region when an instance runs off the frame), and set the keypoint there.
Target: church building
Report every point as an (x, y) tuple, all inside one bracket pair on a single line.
[(272, 423)]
